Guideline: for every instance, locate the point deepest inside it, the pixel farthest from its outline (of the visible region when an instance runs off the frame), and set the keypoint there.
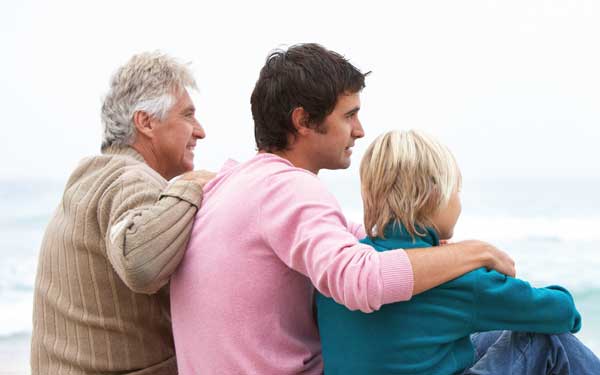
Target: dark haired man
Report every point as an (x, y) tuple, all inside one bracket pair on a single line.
[(269, 232)]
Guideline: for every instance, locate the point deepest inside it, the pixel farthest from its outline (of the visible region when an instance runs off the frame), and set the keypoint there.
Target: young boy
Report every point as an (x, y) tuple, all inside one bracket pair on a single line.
[(410, 188)]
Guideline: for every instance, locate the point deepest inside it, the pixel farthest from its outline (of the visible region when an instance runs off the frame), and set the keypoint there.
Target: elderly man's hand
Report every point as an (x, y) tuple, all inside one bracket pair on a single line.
[(201, 177)]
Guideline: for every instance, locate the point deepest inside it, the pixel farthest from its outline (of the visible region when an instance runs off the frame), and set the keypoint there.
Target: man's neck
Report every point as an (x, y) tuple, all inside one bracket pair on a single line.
[(149, 156)]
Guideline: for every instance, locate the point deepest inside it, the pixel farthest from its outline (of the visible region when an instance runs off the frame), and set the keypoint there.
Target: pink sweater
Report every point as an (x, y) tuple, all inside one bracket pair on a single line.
[(242, 298)]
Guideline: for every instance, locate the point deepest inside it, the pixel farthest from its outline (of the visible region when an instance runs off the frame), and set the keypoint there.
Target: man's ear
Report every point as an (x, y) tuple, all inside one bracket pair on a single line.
[(143, 123), (300, 120)]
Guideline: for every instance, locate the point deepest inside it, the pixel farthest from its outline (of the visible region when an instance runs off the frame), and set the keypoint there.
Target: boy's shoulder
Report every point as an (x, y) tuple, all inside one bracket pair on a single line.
[(479, 279), (392, 243)]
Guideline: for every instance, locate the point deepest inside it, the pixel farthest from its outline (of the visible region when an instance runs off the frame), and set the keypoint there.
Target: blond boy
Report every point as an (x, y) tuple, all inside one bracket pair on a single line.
[(410, 188)]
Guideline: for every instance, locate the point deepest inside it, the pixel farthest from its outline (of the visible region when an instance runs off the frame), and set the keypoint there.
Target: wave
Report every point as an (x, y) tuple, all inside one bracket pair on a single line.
[(23, 335), (540, 228), (529, 228), (548, 250), (16, 317)]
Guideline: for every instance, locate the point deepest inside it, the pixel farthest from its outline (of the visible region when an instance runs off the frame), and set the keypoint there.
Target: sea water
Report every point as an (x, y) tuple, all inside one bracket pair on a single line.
[(551, 227)]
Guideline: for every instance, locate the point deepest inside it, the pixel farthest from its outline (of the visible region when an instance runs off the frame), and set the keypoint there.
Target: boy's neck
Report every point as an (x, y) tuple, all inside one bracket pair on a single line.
[(395, 230)]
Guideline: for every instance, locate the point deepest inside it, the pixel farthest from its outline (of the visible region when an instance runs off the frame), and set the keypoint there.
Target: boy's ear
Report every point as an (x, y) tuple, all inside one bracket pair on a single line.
[(300, 120), (143, 123)]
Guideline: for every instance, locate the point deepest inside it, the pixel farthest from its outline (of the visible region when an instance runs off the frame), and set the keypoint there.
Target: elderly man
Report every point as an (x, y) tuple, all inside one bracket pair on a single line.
[(120, 230)]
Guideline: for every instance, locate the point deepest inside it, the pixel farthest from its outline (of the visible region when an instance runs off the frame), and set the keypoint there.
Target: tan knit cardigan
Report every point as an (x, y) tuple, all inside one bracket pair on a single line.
[(101, 302)]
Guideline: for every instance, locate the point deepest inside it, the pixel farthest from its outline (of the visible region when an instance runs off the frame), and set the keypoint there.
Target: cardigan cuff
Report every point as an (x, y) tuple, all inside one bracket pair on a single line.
[(188, 191)]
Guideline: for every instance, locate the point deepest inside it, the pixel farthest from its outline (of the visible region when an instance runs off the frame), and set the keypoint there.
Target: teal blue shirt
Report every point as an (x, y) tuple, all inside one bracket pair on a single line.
[(430, 333)]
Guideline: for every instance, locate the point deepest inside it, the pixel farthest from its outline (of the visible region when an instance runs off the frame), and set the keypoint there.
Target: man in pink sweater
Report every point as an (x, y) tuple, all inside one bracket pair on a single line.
[(269, 232)]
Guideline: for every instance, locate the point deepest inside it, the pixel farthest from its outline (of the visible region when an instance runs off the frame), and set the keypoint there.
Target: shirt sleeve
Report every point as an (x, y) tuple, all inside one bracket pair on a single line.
[(504, 302), (358, 230), (303, 224), (148, 229)]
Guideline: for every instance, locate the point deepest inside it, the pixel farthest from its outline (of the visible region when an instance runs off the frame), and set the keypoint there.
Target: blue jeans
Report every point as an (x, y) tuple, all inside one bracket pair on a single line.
[(506, 352)]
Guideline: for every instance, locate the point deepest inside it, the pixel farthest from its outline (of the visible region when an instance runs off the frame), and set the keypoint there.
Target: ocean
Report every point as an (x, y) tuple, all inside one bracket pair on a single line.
[(551, 227)]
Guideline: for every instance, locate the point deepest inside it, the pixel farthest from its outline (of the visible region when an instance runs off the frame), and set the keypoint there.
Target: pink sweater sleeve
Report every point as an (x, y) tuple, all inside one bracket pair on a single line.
[(358, 230), (305, 227)]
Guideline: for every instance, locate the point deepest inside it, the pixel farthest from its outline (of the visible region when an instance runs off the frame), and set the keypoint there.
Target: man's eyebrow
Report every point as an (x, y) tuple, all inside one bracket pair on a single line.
[(190, 108), (352, 111)]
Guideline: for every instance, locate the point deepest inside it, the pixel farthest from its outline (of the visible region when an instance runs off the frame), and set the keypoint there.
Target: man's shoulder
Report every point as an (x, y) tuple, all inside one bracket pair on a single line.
[(265, 179), (109, 170), (129, 164), (272, 171), (136, 171), (271, 164), (297, 183)]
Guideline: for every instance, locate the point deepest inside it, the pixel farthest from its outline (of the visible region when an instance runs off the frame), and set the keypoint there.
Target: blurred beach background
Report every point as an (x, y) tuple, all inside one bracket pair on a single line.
[(512, 87), (550, 227)]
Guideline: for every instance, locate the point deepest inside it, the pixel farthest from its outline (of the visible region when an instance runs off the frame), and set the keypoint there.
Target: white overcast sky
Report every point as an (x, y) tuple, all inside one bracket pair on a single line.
[(513, 87)]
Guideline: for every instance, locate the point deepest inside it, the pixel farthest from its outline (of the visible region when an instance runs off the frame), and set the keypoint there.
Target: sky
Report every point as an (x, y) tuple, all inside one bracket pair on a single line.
[(512, 87)]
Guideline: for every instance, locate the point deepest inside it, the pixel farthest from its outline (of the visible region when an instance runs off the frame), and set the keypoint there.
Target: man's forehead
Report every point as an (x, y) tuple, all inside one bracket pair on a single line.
[(184, 100), (348, 102)]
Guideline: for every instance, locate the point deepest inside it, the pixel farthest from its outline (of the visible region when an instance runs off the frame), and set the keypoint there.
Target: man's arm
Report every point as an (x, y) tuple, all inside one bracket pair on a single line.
[(358, 230), (148, 230), (434, 266), (306, 229), (304, 226)]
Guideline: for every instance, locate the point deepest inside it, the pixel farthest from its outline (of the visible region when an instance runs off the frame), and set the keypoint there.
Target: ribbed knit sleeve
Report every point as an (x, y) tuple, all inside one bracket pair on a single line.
[(146, 238)]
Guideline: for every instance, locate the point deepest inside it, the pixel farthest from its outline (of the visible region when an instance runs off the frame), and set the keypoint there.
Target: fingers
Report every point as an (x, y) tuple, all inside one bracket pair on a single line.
[(504, 263), (201, 177), (496, 259)]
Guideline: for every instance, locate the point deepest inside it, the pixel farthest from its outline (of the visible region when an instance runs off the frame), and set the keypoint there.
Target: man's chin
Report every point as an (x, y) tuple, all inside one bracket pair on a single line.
[(339, 166), (345, 164), (188, 165)]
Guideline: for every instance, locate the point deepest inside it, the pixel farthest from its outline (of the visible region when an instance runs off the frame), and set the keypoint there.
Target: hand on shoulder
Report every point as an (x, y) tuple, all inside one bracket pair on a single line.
[(201, 177), (494, 258)]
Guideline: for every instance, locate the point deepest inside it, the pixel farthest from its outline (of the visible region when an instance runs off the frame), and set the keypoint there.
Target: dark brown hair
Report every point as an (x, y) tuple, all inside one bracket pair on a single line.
[(307, 76)]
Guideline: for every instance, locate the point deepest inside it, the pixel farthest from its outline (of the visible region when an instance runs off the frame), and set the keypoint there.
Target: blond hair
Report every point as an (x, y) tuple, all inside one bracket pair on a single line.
[(147, 82), (406, 177)]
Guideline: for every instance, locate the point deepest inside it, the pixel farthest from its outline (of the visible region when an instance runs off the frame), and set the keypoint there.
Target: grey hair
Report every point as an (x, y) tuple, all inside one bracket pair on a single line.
[(147, 82)]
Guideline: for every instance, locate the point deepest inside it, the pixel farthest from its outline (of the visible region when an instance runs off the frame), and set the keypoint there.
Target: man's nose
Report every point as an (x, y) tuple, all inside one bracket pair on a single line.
[(199, 131), (358, 131)]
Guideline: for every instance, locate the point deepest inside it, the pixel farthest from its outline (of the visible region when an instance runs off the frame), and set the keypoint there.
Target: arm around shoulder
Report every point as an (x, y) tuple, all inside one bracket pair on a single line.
[(305, 228), (437, 265), (148, 230)]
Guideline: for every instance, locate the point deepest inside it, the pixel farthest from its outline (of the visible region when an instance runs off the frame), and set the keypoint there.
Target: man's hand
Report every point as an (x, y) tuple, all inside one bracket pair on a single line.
[(432, 267), (495, 258), (501, 261), (201, 177)]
